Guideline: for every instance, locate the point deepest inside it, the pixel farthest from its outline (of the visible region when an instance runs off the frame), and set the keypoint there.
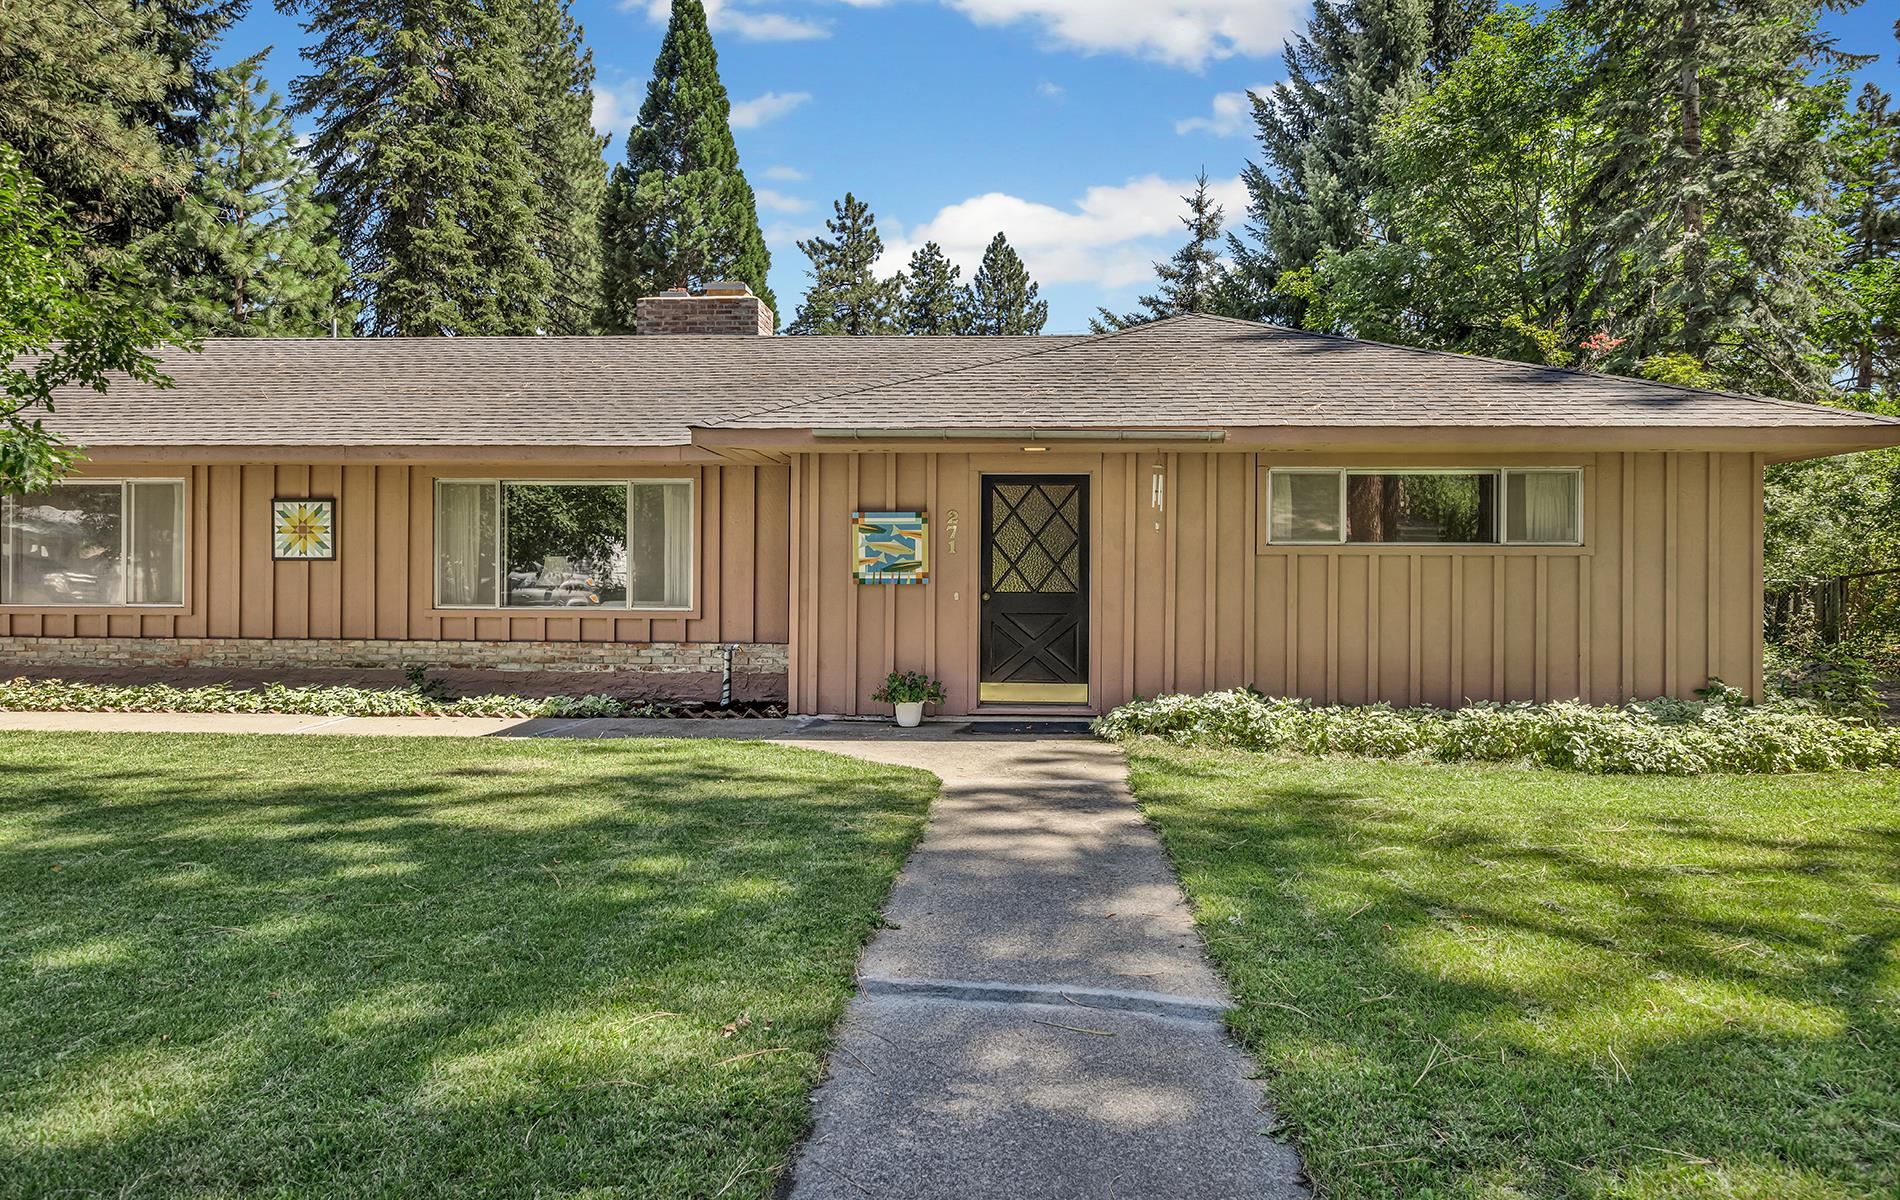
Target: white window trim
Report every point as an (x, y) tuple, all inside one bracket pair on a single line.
[(501, 548), (124, 483), (1502, 517)]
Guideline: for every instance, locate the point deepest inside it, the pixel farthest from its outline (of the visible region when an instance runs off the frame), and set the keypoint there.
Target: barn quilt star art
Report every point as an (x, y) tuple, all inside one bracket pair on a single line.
[(890, 547), (303, 530)]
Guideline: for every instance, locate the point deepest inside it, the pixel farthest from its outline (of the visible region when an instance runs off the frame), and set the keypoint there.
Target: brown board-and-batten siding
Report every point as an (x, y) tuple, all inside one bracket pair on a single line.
[(1188, 596), (382, 583)]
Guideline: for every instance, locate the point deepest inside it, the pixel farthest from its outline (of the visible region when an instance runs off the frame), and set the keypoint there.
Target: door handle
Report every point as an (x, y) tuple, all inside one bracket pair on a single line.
[(986, 595)]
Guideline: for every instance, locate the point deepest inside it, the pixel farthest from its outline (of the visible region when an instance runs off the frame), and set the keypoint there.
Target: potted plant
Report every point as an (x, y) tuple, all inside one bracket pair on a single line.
[(908, 692)]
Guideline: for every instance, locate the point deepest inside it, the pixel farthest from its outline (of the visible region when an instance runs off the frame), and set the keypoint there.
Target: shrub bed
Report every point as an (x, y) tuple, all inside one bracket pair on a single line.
[(59, 695), (1656, 737)]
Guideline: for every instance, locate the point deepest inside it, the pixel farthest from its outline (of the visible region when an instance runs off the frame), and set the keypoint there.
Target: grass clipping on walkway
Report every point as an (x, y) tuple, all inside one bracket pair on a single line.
[(1493, 982), (418, 967)]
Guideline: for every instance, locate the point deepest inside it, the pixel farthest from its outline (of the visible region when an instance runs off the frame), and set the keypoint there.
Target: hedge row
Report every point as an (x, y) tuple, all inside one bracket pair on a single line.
[(57, 695), (1657, 737)]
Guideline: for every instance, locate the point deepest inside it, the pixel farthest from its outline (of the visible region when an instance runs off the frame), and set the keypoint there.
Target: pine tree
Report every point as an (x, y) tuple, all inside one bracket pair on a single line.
[(1866, 327), (570, 171), (933, 299), (421, 108), (249, 249), (846, 296), (679, 212), (78, 82), (1717, 160), (1193, 280), (1002, 297), (1318, 163)]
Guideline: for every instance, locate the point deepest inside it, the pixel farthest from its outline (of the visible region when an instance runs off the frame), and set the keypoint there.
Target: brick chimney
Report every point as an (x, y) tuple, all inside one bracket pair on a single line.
[(727, 307)]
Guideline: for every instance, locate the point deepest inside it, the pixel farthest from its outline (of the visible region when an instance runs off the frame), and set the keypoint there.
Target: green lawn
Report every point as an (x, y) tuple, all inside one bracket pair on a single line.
[(1503, 983), (415, 967)]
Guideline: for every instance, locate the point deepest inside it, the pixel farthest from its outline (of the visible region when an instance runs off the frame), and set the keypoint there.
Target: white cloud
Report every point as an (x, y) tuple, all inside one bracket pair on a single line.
[(1109, 238), (1181, 33), (1053, 91), (614, 108), (777, 201), (743, 18), (1230, 113), (750, 114), (786, 174)]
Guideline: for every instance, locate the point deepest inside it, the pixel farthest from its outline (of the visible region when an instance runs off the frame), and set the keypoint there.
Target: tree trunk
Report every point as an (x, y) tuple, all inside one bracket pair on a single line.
[(1697, 336)]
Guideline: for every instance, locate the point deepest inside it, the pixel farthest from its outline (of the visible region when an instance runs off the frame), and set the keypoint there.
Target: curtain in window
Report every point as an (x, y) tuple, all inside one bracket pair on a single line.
[(662, 542), (155, 553), (465, 526), (1544, 507)]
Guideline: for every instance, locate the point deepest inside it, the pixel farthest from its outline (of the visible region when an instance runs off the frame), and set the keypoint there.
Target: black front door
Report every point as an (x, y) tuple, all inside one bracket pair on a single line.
[(1035, 620)]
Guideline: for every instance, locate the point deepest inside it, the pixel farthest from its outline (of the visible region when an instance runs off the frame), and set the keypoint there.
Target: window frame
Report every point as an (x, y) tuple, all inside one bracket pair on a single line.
[(125, 484), (500, 482), (1502, 527)]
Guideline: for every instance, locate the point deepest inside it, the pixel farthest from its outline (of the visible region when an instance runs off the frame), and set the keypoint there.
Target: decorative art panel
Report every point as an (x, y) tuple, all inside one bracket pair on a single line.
[(890, 547), (303, 530)]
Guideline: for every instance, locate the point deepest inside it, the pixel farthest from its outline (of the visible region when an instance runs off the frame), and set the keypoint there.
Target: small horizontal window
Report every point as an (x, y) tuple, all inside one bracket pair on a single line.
[(91, 542), (1532, 507), (587, 544), (1460, 509)]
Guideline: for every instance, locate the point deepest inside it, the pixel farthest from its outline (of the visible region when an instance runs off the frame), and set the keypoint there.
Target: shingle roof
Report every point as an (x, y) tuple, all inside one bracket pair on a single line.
[(1217, 372), (1187, 372), (584, 391)]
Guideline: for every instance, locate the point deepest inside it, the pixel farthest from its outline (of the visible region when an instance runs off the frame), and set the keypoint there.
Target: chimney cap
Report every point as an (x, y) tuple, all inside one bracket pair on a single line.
[(728, 287)]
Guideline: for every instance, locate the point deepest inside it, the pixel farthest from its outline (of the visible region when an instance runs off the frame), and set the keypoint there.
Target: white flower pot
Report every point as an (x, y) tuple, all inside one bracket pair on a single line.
[(910, 715)]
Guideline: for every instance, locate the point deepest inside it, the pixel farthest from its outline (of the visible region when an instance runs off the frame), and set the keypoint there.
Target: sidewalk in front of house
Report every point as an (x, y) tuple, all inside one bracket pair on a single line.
[(1038, 1018)]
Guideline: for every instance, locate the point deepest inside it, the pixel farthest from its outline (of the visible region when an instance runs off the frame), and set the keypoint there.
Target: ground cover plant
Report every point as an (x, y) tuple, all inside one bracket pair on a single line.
[(1490, 982), (420, 700), (1657, 737), (321, 967)]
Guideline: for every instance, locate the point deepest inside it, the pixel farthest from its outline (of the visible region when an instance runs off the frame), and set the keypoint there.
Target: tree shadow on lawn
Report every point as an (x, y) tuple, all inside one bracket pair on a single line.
[(1506, 983), (408, 968)]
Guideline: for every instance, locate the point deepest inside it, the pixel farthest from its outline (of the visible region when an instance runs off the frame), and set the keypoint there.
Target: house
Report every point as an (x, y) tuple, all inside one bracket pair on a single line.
[(1047, 524)]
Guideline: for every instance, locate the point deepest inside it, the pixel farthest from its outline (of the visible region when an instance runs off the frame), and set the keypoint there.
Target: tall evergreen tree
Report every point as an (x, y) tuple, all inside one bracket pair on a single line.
[(1193, 280), (567, 155), (249, 250), (1863, 323), (846, 296), (1002, 298), (78, 84), (933, 297), (421, 108), (1318, 165), (679, 212), (1704, 203)]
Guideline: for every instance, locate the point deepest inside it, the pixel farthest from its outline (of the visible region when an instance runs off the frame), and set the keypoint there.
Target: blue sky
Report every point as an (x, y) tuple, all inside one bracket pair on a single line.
[(1071, 125)]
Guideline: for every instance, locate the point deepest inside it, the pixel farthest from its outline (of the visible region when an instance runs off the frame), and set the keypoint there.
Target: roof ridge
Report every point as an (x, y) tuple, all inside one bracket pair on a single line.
[(1680, 389), (1069, 342)]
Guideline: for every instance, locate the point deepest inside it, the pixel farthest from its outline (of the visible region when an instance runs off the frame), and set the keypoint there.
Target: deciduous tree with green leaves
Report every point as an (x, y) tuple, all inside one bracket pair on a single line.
[(679, 212), (1482, 177), (249, 250), (1193, 279), (62, 324), (933, 298), (1002, 299), (846, 297)]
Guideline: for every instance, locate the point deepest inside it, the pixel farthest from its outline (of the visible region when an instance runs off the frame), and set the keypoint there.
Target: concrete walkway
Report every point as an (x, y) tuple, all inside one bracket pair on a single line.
[(1039, 1018)]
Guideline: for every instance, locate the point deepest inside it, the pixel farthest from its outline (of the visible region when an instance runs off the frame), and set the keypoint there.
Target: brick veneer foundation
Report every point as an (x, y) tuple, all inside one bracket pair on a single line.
[(662, 670)]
